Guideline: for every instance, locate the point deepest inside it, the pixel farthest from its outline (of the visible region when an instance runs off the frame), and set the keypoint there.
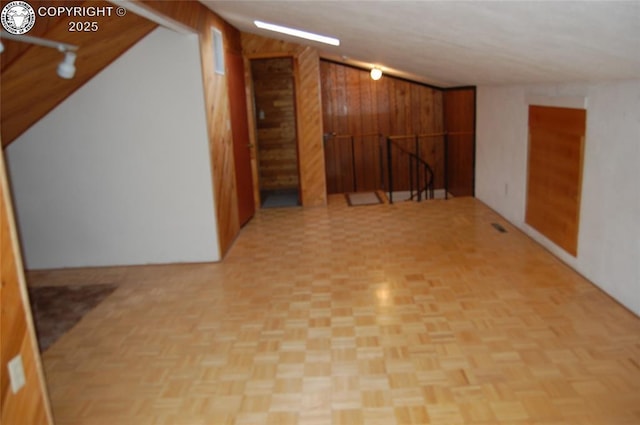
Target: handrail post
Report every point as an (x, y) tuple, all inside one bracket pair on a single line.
[(426, 183), (410, 176), (427, 171), (418, 181), (446, 167), (353, 165), (416, 142), (381, 160), (389, 170)]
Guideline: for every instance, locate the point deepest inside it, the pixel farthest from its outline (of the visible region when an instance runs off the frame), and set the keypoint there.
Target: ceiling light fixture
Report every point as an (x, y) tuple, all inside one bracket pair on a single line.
[(297, 33), (376, 73), (66, 68)]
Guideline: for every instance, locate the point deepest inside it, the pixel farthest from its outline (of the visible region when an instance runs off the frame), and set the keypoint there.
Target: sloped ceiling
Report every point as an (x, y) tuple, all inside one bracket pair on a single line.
[(29, 85), (453, 43)]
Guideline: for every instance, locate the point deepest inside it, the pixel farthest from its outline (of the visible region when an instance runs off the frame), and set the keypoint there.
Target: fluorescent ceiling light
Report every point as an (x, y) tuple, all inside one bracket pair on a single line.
[(298, 33)]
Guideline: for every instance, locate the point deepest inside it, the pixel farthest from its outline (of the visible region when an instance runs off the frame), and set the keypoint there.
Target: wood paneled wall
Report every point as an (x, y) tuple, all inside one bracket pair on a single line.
[(459, 118), (201, 19), (308, 110), (554, 181), (276, 123), (352, 103), (30, 85), (30, 405)]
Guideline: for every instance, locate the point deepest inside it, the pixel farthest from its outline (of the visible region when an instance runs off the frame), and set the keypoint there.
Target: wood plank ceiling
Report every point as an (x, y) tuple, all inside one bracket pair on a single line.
[(464, 43)]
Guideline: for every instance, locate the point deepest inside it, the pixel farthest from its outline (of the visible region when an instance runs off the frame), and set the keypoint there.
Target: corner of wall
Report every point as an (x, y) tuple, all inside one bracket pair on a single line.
[(609, 235)]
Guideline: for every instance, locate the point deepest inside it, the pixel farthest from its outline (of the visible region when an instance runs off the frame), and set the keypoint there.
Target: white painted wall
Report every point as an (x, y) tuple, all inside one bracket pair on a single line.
[(609, 236), (119, 173)]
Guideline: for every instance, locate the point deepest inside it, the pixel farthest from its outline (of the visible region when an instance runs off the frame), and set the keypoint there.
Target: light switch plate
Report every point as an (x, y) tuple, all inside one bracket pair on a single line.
[(16, 373)]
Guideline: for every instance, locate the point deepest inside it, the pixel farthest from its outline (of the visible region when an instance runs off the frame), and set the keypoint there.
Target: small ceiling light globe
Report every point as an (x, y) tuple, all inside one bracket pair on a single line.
[(376, 74), (66, 68)]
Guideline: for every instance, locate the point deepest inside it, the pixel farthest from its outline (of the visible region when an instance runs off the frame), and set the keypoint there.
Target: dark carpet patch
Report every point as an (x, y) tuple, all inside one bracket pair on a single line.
[(56, 309)]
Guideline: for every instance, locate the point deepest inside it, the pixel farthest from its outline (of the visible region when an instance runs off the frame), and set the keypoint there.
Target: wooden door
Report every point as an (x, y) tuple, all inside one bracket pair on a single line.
[(554, 183), (459, 118), (240, 131)]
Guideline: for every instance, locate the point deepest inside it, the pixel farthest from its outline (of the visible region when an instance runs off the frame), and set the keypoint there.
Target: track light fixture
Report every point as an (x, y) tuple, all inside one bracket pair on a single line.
[(66, 68)]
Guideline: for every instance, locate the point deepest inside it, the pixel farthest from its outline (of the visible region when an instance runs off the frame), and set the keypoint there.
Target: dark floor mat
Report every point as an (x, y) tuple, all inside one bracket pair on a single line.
[(363, 198), (56, 309), (280, 198)]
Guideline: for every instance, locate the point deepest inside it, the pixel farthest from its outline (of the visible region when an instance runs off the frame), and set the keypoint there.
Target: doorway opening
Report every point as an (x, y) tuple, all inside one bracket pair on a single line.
[(276, 131)]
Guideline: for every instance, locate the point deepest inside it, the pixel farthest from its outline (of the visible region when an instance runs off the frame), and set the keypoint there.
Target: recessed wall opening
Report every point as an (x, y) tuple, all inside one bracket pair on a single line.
[(554, 184), (277, 141)]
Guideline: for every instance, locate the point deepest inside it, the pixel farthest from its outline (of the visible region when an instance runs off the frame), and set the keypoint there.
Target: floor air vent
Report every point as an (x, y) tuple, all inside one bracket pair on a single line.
[(499, 228)]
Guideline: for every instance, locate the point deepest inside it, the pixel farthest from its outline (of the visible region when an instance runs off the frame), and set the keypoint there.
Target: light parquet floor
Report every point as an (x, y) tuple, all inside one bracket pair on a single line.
[(390, 314)]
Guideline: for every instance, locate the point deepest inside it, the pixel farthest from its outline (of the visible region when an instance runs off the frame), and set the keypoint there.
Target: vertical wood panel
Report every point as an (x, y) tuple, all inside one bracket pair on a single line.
[(403, 106), (415, 98), (329, 109), (311, 152), (308, 110), (343, 151), (370, 144), (354, 121), (554, 185), (30, 405), (355, 104), (459, 115)]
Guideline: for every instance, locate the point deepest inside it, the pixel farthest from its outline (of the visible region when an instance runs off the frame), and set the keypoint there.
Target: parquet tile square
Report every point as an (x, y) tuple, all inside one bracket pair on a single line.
[(412, 313)]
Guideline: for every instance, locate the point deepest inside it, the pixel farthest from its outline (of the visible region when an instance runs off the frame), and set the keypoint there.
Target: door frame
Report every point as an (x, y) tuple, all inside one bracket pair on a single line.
[(245, 143), (253, 125)]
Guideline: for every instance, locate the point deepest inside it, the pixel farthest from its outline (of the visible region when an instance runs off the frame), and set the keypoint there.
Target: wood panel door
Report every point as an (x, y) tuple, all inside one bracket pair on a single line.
[(460, 118), (554, 183), (240, 132)]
